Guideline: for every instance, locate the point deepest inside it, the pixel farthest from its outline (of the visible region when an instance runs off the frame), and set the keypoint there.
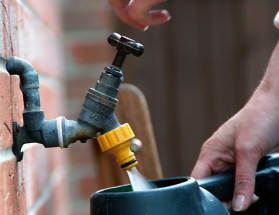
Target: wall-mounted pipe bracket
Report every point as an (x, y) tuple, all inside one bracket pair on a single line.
[(17, 145)]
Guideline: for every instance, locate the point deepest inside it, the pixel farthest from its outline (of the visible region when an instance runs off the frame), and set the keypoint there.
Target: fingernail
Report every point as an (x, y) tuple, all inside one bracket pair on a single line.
[(145, 29), (255, 198), (276, 20), (166, 13), (238, 203)]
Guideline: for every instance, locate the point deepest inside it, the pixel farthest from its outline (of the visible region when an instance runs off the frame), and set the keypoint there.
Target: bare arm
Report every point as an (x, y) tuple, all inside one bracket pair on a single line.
[(245, 138)]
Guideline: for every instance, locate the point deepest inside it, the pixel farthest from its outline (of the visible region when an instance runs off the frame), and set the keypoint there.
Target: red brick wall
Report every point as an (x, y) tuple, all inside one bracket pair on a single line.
[(51, 181), (87, 24), (31, 30)]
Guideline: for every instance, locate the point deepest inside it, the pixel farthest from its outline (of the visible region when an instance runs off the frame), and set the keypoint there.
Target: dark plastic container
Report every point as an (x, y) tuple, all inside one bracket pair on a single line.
[(185, 195), (173, 196)]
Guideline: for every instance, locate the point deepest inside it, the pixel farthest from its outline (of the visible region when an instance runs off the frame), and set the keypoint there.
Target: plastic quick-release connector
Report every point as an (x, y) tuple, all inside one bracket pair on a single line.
[(118, 142)]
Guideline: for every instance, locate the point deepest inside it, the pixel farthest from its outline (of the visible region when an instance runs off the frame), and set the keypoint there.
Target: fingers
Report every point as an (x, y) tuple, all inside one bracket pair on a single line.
[(124, 16), (154, 17), (228, 205), (139, 13), (200, 170), (119, 3), (246, 164), (216, 155), (143, 14)]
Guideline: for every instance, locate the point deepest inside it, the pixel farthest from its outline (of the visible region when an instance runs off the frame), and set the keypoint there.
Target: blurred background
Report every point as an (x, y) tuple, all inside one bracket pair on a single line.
[(197, 71)]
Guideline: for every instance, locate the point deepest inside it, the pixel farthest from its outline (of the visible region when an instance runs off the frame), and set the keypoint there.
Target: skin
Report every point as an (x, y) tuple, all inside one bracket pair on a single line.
[(245, 138), (139, 13)]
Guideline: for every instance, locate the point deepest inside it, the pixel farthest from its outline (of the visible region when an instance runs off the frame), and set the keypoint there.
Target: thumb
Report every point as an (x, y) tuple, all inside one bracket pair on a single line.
[(246, 165)]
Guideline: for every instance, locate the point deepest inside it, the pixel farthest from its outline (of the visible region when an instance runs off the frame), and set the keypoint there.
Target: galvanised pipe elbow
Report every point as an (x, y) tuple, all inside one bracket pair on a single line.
[(29, 82)]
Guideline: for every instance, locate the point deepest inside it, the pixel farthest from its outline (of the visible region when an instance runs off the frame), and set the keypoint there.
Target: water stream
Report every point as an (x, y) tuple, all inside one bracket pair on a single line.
[(138, 182)]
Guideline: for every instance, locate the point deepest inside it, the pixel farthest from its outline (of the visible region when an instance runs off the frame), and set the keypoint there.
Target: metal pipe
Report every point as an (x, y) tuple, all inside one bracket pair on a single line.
[(29, 82)]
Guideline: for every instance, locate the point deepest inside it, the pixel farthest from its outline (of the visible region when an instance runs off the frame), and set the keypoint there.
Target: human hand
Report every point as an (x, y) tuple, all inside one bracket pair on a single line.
[(139, 13), (241, 142)]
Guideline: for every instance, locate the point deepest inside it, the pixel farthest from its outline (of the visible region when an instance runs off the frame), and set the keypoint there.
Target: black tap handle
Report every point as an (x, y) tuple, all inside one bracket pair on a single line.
[(124, 46)]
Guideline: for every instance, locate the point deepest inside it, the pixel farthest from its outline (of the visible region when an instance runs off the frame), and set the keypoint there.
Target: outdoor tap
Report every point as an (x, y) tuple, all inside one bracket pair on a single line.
[(97, 114)]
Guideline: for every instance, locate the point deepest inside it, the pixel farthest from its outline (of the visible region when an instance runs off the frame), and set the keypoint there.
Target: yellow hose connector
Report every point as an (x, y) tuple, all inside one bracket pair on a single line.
[(118, 141)]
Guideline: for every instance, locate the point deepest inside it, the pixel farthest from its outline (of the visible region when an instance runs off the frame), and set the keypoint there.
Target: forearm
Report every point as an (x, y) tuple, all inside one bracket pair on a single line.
[(269, 84)]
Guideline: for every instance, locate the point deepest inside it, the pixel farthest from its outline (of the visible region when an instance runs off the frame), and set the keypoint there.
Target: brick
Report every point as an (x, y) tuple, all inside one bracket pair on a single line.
[(5, 111), (40, 163), (77, 173), (36, 171), (51, 96), (38, 45), (43, 9), (5, 20), (78, 86), (37, 41), (84, 20), (17, 100), (21, 189), (11, 26), (81, 153), (36, 156), (58, 158), (8, 186), (74, 107), (87, 186), (45, 209), (60, 197), (91, 5), (84, 15), (31, 30), (2, 49), (89, 53), (54, 198)]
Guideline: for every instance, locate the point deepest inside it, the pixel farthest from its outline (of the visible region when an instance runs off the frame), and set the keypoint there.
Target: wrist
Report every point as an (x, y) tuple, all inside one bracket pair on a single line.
[(270, 81)]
